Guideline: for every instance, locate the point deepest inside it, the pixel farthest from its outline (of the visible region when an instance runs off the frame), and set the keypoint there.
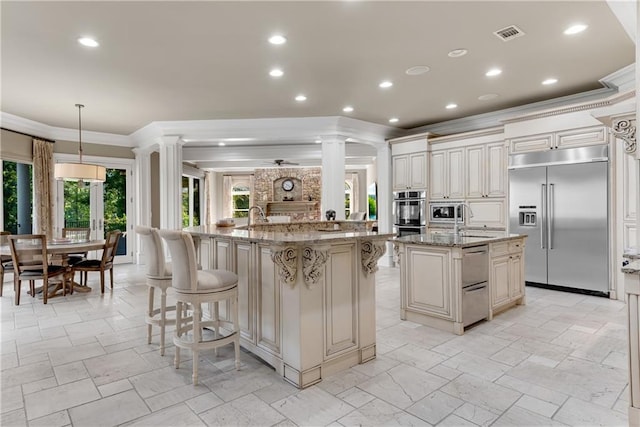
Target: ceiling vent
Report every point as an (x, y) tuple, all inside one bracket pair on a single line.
[(509, 33)]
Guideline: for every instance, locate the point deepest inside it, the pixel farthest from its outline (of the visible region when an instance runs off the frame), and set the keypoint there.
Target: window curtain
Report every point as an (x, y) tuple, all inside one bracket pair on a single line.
[(227, 187), (252, 200), (355, 193), (43, 187), (207, 199)]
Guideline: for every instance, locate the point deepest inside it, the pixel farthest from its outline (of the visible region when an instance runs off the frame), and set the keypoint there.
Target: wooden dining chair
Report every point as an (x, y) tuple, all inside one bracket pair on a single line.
[(77, 234), (31, 262), (6, 263), (102, 264)]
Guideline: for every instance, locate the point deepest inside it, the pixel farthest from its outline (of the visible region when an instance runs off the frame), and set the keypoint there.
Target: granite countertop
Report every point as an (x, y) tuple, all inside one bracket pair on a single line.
[(279, 237), (451, 240)]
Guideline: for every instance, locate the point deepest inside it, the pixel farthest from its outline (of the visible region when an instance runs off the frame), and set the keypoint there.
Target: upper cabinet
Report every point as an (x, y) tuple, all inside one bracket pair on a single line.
[(447, 174), (486, 171), (409, 163), (583, 137), (409, 171)]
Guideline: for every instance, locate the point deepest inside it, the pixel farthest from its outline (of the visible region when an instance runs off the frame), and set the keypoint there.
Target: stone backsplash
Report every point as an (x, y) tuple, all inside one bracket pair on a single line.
[(307, 186)]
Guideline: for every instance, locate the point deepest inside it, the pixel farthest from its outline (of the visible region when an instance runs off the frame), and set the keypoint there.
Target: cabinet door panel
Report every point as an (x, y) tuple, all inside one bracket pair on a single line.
[(341, 328), (516, 276), (499, 280), (418, 170), (531, 143), (496, 171), (630, 187), (487, 213), (582, 137), (429, 281), (456, 174), (437, 174), (268, 301), (245, 290), (475, 172), (400, 166)]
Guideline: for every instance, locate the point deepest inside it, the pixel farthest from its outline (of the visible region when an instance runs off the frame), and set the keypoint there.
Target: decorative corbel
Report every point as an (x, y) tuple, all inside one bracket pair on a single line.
[(314, 259), (371, 251), (625, 129), (286, 258)]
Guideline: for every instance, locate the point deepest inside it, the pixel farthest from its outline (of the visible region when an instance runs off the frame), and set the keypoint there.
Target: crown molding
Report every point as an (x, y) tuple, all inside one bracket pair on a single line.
[(31, 127), (624, 79)]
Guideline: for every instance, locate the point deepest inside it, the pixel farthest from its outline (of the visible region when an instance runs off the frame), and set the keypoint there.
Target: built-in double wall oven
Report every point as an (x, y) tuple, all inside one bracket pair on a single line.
[(410, 212)]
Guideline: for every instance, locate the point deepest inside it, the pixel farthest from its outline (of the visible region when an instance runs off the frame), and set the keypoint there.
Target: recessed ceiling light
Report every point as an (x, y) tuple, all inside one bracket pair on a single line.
[(385, 84), (394, 120), (455, 53), (318, 141), (417, 70), (221, 144), (451, 106), (301, 98), (487, 96), (277, 39), (493, 72), (276, 72), (87, 41), (549, 81), (348, 109), (575, 29)]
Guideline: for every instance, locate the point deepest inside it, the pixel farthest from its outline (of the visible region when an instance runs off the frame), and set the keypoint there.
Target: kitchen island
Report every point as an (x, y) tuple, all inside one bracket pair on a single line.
[(450, 281), (306, 292)]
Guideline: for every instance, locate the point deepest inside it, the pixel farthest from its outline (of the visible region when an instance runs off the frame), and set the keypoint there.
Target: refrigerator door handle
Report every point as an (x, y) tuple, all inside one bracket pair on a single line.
[(550, 216), (543, 214)]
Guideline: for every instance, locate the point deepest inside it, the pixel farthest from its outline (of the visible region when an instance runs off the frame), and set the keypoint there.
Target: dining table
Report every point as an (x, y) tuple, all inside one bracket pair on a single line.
[(64, 247)]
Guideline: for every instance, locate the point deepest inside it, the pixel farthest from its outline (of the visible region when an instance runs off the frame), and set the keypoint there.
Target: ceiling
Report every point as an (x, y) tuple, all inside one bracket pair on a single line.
[(185, 61)]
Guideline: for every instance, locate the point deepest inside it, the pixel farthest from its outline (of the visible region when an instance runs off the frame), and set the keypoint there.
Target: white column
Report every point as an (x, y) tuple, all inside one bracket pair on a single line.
[(170, 182), (385, 196), (142, 175), (333, 154)]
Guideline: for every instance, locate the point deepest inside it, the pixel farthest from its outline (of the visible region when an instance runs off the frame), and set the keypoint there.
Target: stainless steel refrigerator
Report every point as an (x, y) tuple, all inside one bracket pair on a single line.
[(559, 198)]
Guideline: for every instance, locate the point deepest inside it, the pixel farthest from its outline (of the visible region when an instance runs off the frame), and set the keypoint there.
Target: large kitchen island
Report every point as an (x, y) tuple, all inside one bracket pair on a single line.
[(306, 292), (450, 281)]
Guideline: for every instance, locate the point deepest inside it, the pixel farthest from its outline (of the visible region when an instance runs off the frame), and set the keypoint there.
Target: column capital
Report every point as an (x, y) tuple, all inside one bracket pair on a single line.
[(170, 140), (143, 151)]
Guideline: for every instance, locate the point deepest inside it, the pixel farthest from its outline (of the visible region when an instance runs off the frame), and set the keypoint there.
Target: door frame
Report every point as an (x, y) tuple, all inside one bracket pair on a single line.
[(112, 163)]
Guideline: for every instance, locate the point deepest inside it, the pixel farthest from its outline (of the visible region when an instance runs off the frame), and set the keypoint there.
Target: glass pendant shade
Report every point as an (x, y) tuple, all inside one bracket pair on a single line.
[(84, 172)]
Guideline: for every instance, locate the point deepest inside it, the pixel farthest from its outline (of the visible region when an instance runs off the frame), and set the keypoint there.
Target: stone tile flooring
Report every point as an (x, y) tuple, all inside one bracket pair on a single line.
[(83, 360)]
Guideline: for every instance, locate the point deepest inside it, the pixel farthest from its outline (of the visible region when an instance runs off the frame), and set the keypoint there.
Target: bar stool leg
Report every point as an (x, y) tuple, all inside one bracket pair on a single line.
[(197, 339), (236, 329), (216, 319), (163, 318), (150, 313), (178, 332)]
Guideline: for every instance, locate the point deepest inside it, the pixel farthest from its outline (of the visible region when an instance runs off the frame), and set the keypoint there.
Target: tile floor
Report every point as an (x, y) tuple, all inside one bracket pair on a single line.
[(83, 360)]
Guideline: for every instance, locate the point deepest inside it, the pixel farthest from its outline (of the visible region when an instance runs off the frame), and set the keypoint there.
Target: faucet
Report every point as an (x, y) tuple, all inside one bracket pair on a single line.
[(462, 205), (263, 218)]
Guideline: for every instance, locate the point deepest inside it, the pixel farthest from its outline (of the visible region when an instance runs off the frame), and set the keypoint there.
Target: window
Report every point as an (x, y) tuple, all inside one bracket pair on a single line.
[(17, 193), (348, 197), (190, 201), (240, 193)]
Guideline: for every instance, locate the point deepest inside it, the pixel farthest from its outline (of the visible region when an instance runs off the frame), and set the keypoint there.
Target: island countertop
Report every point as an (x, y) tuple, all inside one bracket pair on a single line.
[(452, 240), (284, 237)]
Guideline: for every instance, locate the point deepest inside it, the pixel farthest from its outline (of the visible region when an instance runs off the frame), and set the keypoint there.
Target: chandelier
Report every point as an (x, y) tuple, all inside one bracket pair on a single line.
[(81, 172)]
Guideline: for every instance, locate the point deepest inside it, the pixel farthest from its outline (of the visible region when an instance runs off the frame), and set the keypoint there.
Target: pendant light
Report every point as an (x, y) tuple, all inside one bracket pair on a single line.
[(81, 172)]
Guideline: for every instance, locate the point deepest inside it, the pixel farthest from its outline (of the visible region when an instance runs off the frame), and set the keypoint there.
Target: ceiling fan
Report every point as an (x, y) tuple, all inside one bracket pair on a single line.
[(280, 162)]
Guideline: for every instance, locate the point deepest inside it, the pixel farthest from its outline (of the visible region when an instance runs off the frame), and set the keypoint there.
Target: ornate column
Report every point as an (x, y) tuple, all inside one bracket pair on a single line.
[(333, 152), (142, 177), (170, 182)]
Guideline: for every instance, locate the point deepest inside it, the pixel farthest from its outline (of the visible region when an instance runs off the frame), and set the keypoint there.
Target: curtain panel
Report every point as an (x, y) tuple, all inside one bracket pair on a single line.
[(43, 187)]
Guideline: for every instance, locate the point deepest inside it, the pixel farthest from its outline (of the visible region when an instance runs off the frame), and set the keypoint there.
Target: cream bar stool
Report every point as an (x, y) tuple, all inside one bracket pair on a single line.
[(158, 277), (195, 287)]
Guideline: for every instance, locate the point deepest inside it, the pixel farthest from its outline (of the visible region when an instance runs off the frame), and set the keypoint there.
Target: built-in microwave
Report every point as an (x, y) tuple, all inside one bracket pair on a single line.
[(446, 212)]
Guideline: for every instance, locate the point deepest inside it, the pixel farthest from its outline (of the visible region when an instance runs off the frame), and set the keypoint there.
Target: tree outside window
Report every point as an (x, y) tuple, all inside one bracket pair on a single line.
[(190, 201), (347, 199), (240, 193)]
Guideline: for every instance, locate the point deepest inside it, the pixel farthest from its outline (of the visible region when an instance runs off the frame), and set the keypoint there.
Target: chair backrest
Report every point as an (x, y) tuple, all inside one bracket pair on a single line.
[(357, 216), (184, 266), (4, 241), (154, 251), (110, 246), (76, 233), (29, 252)]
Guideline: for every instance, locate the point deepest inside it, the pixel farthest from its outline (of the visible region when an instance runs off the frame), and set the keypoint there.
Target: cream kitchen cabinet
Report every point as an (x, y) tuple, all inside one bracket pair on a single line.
[(409, 171), (582, 137), (447, 174), (490, 213), (486, 171), (506, 274)]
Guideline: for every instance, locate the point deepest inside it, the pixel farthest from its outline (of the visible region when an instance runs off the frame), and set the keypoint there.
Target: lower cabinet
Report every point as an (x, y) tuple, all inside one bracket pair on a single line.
[(428, 275), (506, 274)]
